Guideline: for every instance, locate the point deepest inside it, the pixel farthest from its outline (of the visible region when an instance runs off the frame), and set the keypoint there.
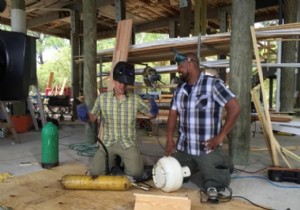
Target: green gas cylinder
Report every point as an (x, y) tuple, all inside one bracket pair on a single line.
[(49, 146)]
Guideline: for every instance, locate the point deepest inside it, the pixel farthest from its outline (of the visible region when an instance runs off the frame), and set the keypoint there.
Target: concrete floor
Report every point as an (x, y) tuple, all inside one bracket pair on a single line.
[(24, 158)]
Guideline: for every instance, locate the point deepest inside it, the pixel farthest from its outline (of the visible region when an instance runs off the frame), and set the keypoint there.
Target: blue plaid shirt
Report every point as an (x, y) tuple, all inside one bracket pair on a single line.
[(200, 112)]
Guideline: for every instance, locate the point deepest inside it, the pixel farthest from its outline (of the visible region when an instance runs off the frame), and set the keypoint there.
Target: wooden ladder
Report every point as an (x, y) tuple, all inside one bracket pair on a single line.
[(40, 108), (10, 125)]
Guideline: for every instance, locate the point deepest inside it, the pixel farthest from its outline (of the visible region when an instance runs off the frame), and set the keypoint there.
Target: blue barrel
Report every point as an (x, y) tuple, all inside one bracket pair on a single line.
[(50, 156)]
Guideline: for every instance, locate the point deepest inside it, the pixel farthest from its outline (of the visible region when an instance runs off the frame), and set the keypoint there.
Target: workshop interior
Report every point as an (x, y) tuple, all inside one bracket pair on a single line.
[(44, 143)]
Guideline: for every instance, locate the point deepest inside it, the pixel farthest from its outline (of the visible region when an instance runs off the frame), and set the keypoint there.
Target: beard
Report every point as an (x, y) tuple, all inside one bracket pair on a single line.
[(183, 78)]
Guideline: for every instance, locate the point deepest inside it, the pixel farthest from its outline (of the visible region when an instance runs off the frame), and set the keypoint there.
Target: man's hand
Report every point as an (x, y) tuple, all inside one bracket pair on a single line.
[(83, 112), (170, 148), (214, 142)]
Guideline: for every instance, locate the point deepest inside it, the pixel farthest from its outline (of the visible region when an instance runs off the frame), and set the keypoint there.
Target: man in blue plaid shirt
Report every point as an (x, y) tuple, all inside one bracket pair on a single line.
[(198, 102)]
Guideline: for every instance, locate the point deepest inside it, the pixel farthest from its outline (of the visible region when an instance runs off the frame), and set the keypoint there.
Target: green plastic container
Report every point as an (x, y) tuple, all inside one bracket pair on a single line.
[(50, 156)]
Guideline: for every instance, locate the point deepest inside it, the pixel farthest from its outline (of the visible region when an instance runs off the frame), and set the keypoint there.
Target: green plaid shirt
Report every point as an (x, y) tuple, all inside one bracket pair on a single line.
[(119, 117)]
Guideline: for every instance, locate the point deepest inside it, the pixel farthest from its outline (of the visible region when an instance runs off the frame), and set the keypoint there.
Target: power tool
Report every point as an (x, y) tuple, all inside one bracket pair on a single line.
[(151, 77), (279, 174)]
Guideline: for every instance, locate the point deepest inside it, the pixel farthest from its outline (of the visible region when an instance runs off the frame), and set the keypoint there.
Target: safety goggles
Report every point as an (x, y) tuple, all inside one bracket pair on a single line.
[(180, 58)]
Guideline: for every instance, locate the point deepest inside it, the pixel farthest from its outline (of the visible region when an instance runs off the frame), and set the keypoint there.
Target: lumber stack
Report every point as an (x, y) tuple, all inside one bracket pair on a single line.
[(215, 44), (275, 149)]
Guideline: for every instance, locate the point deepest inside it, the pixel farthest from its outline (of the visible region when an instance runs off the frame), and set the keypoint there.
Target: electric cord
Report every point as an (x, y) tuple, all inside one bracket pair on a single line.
[(158, 140), (224, 196), (157, 135), (87, 149), (259, 206), (215, 197), (221, 194)]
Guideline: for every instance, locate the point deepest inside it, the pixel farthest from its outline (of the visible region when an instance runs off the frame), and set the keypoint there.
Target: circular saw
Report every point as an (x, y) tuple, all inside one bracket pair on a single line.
[(151, 77)]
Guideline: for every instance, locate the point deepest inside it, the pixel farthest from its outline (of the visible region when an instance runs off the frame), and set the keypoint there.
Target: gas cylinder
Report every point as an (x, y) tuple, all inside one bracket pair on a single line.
[(50, 157), (103, 182)]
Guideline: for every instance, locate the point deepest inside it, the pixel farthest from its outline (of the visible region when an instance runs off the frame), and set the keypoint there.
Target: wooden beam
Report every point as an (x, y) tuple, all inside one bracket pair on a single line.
[(265, 103), (123, 38), (159, 202), (53, 16)]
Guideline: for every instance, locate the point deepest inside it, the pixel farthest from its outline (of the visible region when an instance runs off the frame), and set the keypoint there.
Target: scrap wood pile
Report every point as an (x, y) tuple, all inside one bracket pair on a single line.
[(274, 147)]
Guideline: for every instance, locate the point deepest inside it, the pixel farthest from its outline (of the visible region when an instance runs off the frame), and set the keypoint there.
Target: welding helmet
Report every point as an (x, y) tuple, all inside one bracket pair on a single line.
[(124, 73)]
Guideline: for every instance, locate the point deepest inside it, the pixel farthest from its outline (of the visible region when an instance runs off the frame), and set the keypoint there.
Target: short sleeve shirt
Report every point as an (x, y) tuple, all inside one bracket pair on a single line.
[(119, 117), (200, 112)]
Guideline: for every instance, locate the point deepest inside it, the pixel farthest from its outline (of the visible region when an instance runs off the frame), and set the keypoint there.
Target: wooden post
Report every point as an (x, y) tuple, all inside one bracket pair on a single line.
[(240, 78), (265, 103), (90, 70), (289, 49)]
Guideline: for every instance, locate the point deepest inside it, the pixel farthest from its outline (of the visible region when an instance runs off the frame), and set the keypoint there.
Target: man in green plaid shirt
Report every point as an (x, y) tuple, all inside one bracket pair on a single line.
[(118, 110)]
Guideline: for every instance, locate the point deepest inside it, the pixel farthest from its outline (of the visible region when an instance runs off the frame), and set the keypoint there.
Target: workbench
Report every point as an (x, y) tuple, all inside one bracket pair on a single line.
[(42, 190)]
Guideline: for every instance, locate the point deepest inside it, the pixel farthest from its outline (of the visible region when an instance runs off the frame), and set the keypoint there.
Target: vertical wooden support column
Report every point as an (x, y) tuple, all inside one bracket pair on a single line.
[(18, 24), (89, 55), (89, 51), (185, 18), (75, 43), (240, 77), (197, 17), (120, 10), (172, 34), (223, 28), (287, 86), (200, 17)]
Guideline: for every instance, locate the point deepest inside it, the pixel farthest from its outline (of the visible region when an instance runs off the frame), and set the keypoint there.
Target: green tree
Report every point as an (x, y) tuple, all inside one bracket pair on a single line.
[(59, 64), (45, 43)]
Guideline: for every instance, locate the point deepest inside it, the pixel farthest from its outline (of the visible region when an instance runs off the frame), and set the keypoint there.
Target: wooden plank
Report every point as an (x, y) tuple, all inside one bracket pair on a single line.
[(61, 92), (262, 120), (276, 118), (291, 148), (158, 202), (265, 103), (43, 190), (123, 38), (291, 128), (51, 76)]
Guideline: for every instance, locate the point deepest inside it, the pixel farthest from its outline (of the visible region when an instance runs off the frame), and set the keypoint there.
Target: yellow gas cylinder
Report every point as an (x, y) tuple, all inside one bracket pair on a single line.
[(86, 182)]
